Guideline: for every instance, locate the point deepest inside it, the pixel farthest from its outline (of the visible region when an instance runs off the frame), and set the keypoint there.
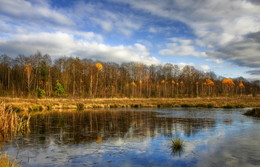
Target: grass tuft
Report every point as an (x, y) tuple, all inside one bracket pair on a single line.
[(177, 146)]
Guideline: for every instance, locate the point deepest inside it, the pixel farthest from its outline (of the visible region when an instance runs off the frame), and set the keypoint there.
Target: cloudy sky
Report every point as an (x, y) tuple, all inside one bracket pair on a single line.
[(213, 35)]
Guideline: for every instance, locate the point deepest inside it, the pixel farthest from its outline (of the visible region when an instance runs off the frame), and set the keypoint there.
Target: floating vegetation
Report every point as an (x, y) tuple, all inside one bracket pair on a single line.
[(177, 146), (255, 112), (12, 124)]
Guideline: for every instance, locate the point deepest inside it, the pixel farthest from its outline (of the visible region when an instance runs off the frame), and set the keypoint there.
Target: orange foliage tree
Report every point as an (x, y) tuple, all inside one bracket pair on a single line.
[(209, 83), (228, 85), (99, 67), (140, 91), (241, 86)]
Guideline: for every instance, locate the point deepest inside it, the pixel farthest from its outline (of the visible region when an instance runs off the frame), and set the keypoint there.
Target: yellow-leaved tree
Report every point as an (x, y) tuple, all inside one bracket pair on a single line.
[(241, 86), (99, 67), (228, 85)]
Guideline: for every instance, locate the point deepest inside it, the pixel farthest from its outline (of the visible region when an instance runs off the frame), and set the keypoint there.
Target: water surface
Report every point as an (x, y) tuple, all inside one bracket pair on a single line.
[(140, 137)]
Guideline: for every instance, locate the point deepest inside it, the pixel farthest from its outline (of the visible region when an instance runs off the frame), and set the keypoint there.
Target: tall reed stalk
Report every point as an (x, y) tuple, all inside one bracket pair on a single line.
[(6, 161), (12, 124)]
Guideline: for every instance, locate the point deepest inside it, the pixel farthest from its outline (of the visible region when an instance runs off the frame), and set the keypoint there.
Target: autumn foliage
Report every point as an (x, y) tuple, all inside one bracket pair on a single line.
[(99, 66), (23, 76)]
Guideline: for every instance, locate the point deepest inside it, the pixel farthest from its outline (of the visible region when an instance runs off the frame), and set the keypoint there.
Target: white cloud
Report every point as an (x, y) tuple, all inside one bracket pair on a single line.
[(152, 30), (205, 67), (181, 47), (182, 64), (220, 26), (108, 20), (60, 44), (25, 10), (218, 61), (217, 22)]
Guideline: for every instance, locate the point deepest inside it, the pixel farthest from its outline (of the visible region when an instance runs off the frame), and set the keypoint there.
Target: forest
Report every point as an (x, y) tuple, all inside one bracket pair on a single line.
[(40, 76)]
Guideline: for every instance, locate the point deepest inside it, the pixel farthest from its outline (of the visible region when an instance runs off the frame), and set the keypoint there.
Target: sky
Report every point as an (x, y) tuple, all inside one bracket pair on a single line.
[(212, 35)]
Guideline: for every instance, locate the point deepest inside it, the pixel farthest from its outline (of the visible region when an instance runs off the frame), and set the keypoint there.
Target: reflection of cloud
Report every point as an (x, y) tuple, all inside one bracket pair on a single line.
[(239, 150), (220, 142)]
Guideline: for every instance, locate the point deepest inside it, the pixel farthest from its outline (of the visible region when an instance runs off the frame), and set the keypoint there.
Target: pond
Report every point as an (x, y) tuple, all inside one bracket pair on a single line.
[(140, 137)]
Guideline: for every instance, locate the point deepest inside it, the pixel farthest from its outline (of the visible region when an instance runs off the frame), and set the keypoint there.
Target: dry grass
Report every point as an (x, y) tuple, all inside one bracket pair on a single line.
[(5, 161), (71, 103), (11, 123)]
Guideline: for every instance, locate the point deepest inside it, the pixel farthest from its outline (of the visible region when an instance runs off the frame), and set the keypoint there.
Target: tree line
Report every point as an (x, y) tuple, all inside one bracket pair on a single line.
[(39, 75)]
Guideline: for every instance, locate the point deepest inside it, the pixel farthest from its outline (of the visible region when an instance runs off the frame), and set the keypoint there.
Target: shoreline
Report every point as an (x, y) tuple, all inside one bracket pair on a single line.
[(34, 104)]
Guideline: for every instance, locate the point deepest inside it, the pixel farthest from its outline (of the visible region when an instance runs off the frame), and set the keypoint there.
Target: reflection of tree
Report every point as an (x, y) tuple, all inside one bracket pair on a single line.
[(92, 126)]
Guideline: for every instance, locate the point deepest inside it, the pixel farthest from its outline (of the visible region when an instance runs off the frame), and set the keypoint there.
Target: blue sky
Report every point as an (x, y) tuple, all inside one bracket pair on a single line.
[(221, 36)]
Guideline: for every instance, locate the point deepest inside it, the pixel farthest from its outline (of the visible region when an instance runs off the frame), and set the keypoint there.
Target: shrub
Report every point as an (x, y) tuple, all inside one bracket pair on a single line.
[(228, 106), (210, 105), (59, 90), (80, 106), (255, 112), (185, 105), (40, 93), (201, 105), (48, 107), (35, 109)]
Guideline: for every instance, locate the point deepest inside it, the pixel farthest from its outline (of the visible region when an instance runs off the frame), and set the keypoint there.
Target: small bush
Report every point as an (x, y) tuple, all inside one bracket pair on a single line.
[(201, 106), (59, 90), (40, 93), (48, 107), (80, 106), (35, 109), (210, 105), (228, 106), (135, 105), (255, 112), (185, 105)]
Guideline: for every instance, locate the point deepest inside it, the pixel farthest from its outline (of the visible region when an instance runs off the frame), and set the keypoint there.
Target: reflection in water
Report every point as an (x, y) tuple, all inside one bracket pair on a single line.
[(95, 126), (140, 138)]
